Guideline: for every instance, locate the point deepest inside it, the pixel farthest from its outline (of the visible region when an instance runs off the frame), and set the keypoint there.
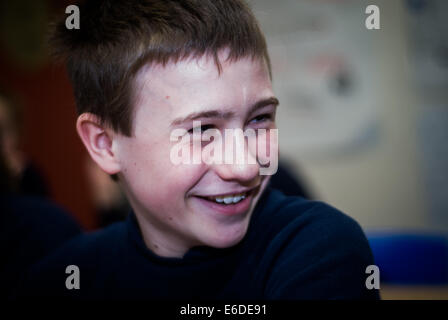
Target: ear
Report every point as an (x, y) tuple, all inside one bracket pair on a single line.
[(98, 141)]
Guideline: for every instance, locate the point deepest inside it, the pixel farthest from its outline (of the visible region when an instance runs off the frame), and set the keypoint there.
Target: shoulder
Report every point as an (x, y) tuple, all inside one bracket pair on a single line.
[(89, 248), (89, 253), (314, 251), (90, 244), (284, 215)]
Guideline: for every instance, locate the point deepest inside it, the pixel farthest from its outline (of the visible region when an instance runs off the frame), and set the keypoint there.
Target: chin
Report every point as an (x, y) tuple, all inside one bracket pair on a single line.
[(228, 238)]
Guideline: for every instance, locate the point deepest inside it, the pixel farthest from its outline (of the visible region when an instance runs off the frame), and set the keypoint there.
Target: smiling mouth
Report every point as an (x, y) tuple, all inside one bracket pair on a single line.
[(230, 204), (229, 199)]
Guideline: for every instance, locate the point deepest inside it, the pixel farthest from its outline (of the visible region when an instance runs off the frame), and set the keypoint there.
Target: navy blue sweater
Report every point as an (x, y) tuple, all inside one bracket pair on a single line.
[(294, 249)]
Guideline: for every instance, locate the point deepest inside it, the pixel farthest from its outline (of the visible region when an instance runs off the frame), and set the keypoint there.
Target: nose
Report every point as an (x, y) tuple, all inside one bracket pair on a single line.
[(243, 173), (240, 163)]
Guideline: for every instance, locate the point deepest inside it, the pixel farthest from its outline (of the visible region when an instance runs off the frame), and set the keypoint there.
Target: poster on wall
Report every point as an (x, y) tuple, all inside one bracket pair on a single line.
[(321, 55)]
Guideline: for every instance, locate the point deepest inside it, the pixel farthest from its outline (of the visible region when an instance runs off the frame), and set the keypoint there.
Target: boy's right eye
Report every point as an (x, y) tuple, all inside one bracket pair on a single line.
[(201, 128)]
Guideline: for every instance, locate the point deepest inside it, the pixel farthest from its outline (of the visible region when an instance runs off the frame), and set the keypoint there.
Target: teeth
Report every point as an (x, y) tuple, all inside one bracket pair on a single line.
[(235, 198)]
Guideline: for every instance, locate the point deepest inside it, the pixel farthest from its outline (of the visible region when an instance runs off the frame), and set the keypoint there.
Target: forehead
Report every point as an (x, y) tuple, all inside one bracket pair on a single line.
[(196, 84), (202, 70)]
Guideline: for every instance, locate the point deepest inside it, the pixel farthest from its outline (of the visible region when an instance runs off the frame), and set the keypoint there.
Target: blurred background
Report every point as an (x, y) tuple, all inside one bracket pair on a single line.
[(363, 122)]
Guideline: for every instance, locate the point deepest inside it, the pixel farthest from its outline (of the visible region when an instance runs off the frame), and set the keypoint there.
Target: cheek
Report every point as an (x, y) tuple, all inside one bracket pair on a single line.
[(153, 179), (158, 182), (267, 145)]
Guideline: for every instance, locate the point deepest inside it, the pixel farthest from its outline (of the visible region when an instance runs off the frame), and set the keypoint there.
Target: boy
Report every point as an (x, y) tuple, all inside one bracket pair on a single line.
[(151, 79)]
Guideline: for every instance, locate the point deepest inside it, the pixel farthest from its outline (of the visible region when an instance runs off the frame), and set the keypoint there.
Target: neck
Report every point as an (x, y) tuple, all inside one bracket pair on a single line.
[(160, 240)]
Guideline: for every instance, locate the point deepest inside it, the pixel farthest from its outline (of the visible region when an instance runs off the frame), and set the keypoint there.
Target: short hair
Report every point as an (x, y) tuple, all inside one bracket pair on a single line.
[(117, 38)]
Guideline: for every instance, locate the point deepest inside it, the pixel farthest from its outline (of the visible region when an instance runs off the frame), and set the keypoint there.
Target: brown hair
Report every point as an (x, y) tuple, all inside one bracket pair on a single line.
[(117, 38)]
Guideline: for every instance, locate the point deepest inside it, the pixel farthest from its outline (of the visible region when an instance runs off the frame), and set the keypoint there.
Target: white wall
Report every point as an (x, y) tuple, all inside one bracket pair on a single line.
[(377, 181)]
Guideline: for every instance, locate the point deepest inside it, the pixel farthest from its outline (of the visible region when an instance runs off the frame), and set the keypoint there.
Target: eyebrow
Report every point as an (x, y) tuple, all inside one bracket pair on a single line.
[(223, 115)]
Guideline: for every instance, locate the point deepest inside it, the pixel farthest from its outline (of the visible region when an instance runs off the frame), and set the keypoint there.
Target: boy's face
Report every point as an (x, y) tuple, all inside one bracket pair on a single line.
[(176, 204)]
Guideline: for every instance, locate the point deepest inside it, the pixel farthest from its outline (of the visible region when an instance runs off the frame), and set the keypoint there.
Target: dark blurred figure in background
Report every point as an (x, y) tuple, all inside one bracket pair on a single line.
[(27, 178), (30, 226), (290, 182)]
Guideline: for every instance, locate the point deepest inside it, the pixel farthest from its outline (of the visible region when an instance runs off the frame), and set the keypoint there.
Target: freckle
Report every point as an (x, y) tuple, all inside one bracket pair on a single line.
[(156, 246)]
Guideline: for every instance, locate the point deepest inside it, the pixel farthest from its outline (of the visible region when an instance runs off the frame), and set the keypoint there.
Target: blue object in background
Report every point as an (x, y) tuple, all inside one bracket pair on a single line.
[(410, 259)]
